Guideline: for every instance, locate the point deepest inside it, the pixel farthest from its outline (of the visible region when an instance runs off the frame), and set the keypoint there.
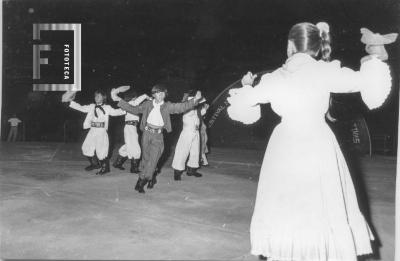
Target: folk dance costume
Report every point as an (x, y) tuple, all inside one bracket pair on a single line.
[(203, 139), (131, 149), (96, 142), (306, 206), (188, 145), (155, 118), (203, 143)]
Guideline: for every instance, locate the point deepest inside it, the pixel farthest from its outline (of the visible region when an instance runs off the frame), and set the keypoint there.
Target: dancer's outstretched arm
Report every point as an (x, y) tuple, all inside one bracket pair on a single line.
[(81, 108), (176, 108), (125, 105), (139, 100), (131, 109), (244, 102), (373, 81), (261, 93), (136, 102), (69, 96)]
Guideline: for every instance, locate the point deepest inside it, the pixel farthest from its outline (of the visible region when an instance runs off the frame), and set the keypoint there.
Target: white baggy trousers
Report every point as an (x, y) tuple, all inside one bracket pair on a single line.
[(97, 142), (188, 146), (131, 148)]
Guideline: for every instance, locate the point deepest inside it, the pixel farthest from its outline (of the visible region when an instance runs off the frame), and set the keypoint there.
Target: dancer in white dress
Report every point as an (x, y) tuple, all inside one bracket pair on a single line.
[(306, 207)]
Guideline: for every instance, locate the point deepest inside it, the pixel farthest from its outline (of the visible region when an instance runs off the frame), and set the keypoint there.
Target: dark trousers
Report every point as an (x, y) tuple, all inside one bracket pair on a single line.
[(152, 149)]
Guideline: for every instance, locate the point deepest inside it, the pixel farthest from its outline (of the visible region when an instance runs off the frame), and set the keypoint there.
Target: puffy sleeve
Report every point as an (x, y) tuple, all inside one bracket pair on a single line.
[(244, 102), (373, 81), (81, 108)]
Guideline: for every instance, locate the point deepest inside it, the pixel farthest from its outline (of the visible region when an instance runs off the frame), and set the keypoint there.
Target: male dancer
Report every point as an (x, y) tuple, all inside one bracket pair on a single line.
[(131, 148), (155, 118), (188, 143), (96, 141)]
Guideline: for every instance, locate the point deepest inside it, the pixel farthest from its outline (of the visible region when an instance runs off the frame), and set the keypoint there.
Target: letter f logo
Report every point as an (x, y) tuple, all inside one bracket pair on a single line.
[(58, 67), (37, 48)]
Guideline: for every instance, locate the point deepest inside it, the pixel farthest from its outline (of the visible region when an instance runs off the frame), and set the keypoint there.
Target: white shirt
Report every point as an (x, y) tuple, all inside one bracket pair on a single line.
[(155, 117), (101, 117), (14, 122)]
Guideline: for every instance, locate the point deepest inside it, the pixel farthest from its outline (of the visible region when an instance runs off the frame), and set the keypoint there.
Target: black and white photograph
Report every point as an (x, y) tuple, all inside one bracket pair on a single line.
[(199, 130)]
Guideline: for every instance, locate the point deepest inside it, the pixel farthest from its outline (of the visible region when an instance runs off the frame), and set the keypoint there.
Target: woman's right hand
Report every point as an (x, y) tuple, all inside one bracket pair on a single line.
[(248, 79)]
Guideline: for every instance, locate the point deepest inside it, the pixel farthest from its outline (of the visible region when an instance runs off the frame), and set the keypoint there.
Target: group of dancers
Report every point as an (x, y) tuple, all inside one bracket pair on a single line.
[(155, 118), (306, 206)]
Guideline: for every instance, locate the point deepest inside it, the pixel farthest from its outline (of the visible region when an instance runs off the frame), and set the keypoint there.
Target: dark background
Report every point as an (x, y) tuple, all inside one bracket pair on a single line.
[(185, 44)]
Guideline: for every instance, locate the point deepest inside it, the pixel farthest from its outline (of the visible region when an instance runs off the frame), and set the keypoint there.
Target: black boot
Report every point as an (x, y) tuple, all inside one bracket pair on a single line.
[(153, 180), (105, 167), (119, 162), (193, 172), (177, 174), (134, 165), (140, 185), (137, 184), (94, 164)]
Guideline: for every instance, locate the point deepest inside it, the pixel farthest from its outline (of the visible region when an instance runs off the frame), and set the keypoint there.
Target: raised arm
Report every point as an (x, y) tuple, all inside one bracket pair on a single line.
[(373, 80), (131, 109), (244, 102), (139, 100), (78, 107), (175, 108), (261, 93), (340, 79)]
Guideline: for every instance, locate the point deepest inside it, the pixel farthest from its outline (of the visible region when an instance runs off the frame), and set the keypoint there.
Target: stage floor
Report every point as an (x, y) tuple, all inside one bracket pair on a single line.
[(52, 209)]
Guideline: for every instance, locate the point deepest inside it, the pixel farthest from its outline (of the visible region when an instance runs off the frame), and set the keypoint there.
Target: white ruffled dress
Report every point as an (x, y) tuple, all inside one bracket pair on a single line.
[(306, 207)]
